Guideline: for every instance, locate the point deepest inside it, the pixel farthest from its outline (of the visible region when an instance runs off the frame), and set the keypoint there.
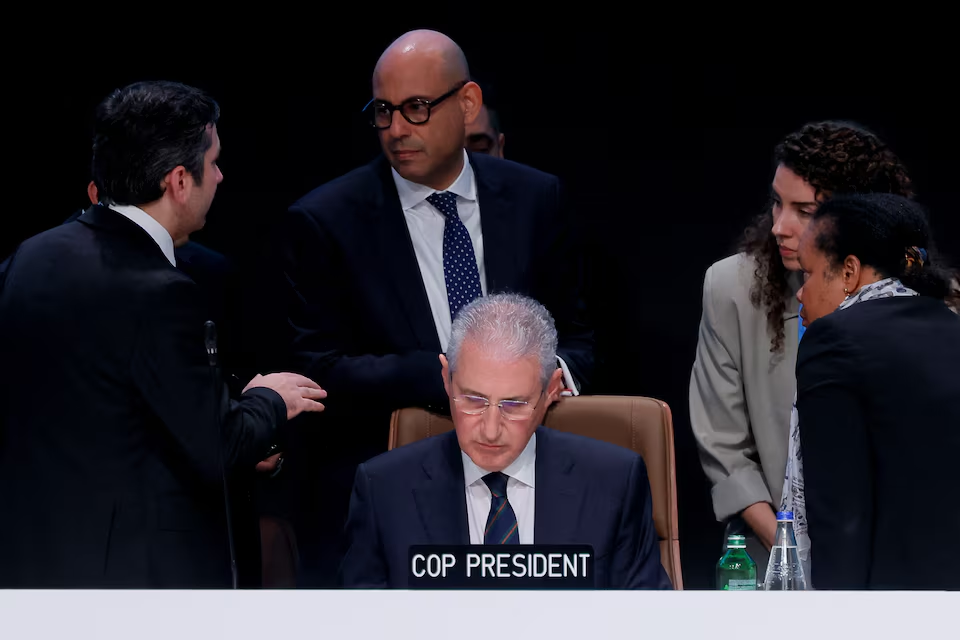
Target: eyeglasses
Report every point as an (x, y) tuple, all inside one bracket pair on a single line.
[(413, 110), (509, 409)]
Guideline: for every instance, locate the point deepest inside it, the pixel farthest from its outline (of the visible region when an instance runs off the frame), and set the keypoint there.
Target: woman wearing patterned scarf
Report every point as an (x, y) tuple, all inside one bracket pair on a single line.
[(742, 381), (878, 399)]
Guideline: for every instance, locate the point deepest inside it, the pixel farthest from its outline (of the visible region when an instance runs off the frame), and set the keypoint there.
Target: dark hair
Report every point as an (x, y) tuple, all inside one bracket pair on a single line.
[(887, 232), (494, 119), (834, 157), (490, 102), (144, 131)]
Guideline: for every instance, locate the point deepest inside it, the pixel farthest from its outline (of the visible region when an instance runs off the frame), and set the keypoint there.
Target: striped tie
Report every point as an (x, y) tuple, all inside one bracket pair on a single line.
[(502, 522)]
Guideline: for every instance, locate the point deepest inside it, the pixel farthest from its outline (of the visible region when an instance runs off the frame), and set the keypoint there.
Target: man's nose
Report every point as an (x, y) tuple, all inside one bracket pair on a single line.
[(399, 127), (490, 424)]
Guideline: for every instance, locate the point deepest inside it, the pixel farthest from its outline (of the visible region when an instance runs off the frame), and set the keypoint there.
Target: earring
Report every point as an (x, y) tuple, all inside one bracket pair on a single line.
[(846, 292)]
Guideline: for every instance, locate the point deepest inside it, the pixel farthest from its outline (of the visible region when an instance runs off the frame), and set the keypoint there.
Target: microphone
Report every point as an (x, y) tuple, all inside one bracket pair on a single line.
[(210, 345), (210, 342)]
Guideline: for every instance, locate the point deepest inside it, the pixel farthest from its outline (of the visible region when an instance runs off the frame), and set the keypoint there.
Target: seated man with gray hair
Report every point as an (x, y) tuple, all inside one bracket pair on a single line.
[(500, 477)]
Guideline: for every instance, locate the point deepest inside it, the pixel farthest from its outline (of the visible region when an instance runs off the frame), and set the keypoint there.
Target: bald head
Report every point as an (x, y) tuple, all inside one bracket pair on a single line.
[(423, 100), (429, 51)]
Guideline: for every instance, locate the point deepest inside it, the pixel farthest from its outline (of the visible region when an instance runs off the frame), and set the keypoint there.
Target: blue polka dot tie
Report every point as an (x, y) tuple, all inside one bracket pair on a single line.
[(459, 261)]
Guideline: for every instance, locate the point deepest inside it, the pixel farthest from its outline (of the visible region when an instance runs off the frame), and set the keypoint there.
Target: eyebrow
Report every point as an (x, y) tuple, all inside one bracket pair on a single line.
[(396, 104), (469, 392), (774, 194)]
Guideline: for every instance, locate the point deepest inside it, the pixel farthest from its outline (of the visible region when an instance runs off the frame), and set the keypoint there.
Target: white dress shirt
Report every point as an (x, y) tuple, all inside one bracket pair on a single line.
[(426, 223), (520, 493), (146, 222)]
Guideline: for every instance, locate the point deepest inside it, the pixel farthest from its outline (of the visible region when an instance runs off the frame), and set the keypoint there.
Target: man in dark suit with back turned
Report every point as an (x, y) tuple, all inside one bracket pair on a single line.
[(380, 259), (111, 471), (499, 478), (217, 279)]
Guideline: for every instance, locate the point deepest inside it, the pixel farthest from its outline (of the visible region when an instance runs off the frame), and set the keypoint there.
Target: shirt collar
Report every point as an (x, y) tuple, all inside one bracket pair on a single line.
[(411, 193), (149, 224), (523, 469)]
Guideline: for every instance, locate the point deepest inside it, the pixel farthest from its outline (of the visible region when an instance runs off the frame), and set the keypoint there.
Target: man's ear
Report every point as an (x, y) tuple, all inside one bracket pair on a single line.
[(445, 373), (500, 143), (92, 193), (178, 184), (555, 386), (471, 97)]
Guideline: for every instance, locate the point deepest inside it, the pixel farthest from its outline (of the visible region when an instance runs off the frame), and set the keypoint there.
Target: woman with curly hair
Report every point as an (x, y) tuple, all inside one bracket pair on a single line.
[(743, 380)]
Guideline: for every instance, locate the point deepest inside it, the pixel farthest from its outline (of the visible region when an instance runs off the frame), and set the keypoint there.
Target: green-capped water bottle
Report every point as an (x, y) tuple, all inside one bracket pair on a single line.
[(736, 570)]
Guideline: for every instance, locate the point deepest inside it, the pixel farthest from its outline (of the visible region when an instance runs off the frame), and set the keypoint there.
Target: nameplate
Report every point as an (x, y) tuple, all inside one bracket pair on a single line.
[(524, 566)]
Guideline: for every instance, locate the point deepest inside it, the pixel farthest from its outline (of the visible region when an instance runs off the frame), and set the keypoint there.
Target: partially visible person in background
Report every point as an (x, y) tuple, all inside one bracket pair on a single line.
[(484, 135), (743, 382), (878, 398), (953, 301)]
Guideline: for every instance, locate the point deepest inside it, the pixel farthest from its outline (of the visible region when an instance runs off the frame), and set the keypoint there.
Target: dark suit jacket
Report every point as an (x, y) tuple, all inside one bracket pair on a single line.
[(879, 406), (109, 455), (219, 281), (588, 492), (362, 322)]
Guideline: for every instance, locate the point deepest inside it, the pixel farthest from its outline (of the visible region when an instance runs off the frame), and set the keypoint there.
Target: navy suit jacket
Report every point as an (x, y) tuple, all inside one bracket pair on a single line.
[(361, 320), (114, 479), (219, 285), (587, 492)]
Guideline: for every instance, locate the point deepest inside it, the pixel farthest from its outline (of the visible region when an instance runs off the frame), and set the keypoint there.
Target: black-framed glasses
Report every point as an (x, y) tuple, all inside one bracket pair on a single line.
[(413, 110), (509, 409)]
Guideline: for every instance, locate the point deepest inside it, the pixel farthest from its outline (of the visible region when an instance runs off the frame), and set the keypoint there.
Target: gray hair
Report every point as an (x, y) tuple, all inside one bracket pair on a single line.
[(506, 326)]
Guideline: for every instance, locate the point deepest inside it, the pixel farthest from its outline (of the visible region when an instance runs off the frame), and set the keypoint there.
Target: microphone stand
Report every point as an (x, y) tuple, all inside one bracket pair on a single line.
[(210, 342)]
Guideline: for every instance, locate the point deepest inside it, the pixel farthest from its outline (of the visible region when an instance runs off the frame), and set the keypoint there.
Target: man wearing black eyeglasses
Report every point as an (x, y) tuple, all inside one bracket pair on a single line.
[(381, 259)]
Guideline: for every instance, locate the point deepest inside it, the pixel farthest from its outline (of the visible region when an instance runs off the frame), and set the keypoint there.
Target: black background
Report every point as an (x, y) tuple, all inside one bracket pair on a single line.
[(666, 153)]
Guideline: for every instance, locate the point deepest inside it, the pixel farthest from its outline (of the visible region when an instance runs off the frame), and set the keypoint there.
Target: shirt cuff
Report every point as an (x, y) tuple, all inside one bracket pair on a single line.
[(568, 382)]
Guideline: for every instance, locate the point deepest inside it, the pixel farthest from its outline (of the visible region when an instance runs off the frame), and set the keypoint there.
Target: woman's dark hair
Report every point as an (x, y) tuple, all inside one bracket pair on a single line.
[(144, 131), (887, 232), (834, 157)]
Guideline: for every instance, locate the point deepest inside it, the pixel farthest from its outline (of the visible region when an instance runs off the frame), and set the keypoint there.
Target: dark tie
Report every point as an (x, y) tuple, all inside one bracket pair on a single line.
[(459, 262), (502, 521)]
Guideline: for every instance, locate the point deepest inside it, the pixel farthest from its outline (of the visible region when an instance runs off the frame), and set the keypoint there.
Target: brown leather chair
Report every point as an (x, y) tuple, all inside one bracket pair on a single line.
[(644, 425)]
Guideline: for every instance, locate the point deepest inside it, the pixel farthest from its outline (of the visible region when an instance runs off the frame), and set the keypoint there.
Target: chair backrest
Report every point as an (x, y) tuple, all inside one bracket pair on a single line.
[(644, 425)]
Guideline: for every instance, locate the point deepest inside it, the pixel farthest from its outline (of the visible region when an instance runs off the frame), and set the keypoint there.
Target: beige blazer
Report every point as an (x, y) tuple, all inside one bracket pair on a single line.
[(741, 394)]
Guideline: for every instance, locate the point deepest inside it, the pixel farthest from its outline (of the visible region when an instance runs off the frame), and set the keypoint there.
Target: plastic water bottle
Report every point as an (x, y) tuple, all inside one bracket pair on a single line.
[(784, 571), (736, 570)]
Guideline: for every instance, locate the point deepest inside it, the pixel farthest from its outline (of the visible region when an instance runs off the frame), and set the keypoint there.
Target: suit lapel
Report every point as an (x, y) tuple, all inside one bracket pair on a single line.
[(559, 498), (498, 222), (441, 496), (400, 268)]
